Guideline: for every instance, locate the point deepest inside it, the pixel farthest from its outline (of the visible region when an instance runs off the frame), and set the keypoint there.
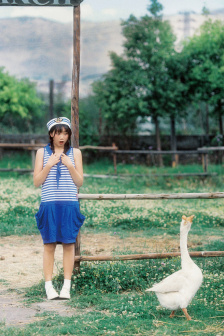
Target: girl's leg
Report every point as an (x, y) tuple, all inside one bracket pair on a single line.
[(48, 260), (48, 263), (68, 264), (68, 260)]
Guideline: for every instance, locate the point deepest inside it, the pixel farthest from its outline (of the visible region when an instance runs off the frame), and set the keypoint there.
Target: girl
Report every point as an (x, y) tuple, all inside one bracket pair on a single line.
[(58, 168)]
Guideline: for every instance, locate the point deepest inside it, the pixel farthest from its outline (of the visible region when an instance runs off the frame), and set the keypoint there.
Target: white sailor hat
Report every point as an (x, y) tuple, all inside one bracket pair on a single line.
[(58, 121)]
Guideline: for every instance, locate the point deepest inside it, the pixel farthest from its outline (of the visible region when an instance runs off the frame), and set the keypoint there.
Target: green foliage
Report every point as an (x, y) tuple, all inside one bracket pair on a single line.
[(218, 140), (116, 96), (88, 119), (19, 103), (152, 79), (147, 80), (205, 11), (150, 43), (155, 7), (204, 53)]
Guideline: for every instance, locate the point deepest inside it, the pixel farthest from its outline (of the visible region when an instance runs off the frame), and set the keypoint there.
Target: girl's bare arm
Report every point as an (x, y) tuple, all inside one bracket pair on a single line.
[(40, 173), (77, 171)]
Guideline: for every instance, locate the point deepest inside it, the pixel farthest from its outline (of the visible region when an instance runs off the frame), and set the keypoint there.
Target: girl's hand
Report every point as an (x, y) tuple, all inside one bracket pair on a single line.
[(53, 160), (66, 160)]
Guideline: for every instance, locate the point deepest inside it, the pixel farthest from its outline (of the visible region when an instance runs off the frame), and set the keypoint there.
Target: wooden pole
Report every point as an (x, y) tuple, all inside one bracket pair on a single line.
[(75, 102), (158, 141), (51, 99), (104, 197), (196, 254), (114, 158), (33, 154), (173, 140), (205, 162)]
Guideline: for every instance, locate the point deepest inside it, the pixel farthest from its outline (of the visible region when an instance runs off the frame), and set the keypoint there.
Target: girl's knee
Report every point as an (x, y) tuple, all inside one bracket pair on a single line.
[(50, 247), (68, 246)]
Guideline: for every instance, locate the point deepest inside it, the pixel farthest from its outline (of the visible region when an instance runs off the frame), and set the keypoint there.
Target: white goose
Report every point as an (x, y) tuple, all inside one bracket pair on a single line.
[(178, 289)]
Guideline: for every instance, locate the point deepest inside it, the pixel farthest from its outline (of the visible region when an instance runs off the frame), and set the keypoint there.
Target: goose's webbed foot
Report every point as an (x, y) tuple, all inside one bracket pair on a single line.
[(172, 314)]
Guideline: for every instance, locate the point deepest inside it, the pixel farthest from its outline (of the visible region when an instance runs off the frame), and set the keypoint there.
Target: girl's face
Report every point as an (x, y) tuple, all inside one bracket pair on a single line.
[(60, 138)]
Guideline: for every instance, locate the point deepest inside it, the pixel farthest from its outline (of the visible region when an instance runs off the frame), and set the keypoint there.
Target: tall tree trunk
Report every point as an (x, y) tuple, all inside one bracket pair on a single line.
[(207, 120), (173, 141), (207, 124), (220, 124), (158, 141), (100, 122), (221, 132)]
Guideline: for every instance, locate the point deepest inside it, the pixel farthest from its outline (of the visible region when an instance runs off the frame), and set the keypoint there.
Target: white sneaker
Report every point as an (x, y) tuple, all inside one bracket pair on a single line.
[(51, 293), (65, 293)]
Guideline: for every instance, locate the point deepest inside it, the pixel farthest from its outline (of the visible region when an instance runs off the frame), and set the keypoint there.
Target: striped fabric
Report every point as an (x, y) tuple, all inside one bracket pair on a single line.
[(66, 191)]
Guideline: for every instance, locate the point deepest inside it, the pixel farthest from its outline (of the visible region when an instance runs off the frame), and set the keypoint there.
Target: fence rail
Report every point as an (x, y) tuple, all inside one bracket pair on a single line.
[(107, 197), (203, 151), (196, 254), (35, 146)]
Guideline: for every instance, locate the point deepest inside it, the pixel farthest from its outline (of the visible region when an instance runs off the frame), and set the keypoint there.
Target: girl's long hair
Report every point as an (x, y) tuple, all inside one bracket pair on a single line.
[(58, 129)]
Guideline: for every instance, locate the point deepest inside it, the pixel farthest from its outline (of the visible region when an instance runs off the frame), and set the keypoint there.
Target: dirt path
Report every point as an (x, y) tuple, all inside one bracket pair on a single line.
[(14, 312), (21, 257)]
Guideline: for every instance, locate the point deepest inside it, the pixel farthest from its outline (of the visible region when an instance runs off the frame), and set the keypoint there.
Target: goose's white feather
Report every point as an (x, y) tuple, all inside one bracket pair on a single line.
[(172, 283), (178, 289)]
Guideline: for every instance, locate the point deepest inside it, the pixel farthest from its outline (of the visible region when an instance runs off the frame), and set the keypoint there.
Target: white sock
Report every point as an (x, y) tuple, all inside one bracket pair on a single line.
[(67, 284), (48, 284)]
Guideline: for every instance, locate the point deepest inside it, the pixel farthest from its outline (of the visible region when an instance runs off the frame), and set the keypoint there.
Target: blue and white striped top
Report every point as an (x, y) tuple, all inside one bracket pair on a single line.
[(63, 190)]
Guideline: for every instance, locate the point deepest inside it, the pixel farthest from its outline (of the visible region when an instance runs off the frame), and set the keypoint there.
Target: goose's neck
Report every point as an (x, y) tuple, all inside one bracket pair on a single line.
[(185, 258)]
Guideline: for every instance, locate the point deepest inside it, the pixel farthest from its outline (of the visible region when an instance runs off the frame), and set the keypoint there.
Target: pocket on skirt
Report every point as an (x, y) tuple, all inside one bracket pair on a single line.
[(39, 217), (78, 217)]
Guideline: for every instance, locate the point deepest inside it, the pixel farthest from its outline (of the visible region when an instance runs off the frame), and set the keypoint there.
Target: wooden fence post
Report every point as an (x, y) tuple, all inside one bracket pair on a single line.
[(51, 99), (114, 158), (205, 162), (33, 154), (75, 103)]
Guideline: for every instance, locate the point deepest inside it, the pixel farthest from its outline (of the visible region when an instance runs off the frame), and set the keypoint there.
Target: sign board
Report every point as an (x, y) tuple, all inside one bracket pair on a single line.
[(73, 3)]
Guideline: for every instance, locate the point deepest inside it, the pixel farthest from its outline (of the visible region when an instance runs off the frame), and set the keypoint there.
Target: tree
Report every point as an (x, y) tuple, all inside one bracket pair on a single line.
[(117, 96), (140, 81), (19, 103), (150, 43), (177, 88), (206, 67)]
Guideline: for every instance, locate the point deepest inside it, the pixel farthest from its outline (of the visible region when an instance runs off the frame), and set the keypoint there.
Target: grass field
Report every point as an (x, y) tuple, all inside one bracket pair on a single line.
[(109, 297)]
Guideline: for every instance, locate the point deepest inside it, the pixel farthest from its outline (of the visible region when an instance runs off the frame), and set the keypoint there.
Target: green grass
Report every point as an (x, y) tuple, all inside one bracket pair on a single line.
[(18, 160), (109, 297)]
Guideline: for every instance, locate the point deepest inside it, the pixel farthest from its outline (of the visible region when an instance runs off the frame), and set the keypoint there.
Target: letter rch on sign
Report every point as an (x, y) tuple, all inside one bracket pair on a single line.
[(72, 3)]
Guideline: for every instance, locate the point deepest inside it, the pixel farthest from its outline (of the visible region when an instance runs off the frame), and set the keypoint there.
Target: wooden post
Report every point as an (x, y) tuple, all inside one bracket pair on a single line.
[(158, 141), (205, 162), (114, 158), (75, 102), (173, 141), (33, 154), (51, 99), (148, 161)]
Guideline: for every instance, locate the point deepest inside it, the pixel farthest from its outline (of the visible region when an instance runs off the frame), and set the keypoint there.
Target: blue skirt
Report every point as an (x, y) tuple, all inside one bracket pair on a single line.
[(59, 222)]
